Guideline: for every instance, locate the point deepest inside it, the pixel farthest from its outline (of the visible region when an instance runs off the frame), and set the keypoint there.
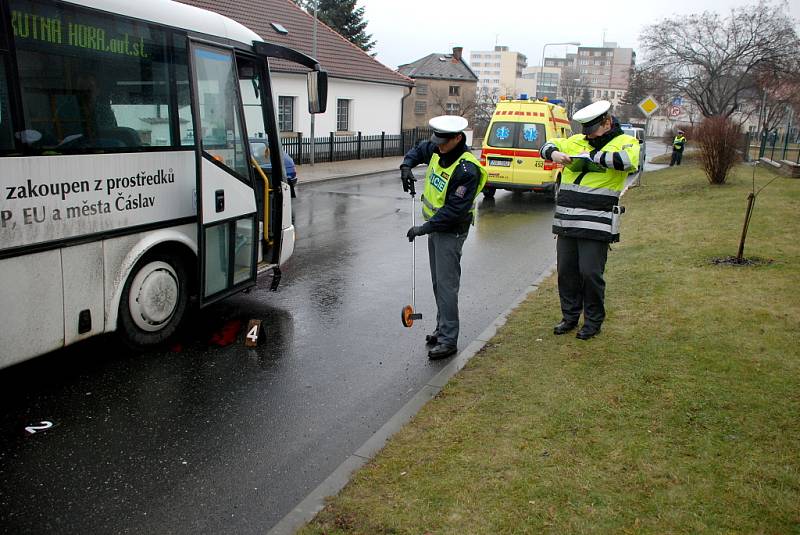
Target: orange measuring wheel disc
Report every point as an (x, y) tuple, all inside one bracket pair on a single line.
[(407, 316)]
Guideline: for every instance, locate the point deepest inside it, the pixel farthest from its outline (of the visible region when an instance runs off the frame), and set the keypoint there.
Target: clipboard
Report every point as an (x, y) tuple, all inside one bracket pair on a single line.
[(583, 162)]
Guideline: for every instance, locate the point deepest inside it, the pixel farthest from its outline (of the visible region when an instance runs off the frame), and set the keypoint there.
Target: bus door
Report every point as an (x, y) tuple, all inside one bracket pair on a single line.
[(226, 200)]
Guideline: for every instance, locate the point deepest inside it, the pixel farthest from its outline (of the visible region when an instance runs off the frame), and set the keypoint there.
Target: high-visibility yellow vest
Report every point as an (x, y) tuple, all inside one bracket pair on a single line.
[(678, 142), (587, 198), (437, 179)]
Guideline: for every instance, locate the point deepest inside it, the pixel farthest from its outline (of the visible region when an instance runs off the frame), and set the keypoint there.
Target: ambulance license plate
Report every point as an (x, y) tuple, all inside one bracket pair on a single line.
[(499, 163)]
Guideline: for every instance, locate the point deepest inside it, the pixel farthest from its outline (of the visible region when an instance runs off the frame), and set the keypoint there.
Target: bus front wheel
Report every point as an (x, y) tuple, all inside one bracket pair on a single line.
[(154, 300)]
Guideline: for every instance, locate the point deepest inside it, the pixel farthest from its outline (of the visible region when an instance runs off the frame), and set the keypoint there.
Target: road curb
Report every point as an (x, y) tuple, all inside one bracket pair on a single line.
[(315, 501), (422, 169), (339, 177)]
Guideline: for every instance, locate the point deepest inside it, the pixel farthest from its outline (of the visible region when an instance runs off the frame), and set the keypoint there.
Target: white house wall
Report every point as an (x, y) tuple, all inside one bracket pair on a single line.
[(374, 108)]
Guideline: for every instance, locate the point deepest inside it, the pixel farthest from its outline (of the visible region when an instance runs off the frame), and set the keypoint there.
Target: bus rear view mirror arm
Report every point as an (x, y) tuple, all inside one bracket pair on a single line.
[(317, 78)]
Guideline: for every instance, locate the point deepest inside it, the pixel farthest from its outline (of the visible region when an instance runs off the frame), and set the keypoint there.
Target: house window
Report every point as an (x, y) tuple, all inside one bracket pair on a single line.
[(343, 115), (420, 107), (422, 89), (454, 90), (452, 108), (286, 114)]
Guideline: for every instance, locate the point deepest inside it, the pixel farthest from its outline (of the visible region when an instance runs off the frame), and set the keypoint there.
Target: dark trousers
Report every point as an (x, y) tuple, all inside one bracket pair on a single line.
[(676, 157), (581, 286), (444, 253)]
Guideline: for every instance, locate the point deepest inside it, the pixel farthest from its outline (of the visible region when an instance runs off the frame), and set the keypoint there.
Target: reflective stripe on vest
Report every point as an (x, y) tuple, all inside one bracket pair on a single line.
[(583, 212), (568, 223), (586, 199), (437, 179), (588, 190)]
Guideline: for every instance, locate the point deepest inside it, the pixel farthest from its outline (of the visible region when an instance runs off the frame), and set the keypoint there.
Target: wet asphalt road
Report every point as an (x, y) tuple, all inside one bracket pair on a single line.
[(211, 437)]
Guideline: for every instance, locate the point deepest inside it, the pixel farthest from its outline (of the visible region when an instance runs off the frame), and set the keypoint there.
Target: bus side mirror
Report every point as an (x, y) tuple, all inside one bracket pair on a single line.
[(317, 91)]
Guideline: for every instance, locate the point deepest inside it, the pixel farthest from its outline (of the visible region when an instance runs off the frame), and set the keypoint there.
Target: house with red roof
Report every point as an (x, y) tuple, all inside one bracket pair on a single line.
[(363, 94)]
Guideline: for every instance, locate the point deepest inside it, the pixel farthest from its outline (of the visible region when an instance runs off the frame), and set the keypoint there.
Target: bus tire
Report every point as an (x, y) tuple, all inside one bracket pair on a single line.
[(154, 300), (488, 192)]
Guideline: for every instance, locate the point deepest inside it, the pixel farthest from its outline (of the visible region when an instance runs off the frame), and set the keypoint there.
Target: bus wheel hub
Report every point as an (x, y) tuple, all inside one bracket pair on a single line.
[(154, 296)]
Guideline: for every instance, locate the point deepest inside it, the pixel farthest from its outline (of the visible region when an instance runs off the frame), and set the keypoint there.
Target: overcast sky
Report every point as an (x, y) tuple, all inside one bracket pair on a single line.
[(407, 30)]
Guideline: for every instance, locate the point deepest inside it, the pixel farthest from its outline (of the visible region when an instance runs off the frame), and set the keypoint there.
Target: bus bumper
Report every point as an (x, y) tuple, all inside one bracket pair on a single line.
[(287, 244)]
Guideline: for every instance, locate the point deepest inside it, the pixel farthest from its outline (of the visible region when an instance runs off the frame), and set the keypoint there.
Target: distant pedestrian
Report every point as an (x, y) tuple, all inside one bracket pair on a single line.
[(678, 144), (597, 162), (453, 181)]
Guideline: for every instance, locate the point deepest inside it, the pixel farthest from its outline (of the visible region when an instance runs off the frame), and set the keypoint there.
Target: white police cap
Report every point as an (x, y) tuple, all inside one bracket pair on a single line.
[(592, 116), (446, 127)]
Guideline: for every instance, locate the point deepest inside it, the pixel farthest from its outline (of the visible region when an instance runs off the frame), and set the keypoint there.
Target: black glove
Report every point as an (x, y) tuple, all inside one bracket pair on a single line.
[(408, 179), (413, 232)]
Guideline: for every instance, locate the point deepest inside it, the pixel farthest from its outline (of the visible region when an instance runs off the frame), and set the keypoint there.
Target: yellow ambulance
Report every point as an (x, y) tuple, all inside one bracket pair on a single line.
[(510, 151)]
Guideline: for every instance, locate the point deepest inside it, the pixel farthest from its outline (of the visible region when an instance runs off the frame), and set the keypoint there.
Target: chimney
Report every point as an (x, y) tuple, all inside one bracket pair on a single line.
[(457, 50)]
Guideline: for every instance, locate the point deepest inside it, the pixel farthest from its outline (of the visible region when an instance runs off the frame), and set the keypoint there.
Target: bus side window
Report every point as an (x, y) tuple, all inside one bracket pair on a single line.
[(89, 94), (6, 128)]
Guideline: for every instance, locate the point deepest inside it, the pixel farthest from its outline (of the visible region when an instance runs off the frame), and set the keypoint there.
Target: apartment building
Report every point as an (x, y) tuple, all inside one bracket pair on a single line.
[(497, 70), (541, 81), (603, 70)]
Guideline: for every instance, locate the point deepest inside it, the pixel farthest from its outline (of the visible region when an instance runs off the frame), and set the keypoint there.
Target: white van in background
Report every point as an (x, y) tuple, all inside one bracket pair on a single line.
[(638, 133)]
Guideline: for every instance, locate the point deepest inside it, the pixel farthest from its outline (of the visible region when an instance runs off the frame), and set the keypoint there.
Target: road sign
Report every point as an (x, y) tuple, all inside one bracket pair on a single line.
[(674, 111), (648, 106), (677, 101)]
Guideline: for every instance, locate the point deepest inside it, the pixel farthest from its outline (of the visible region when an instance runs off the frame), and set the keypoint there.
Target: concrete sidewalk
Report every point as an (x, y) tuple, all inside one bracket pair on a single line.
[(348, 168)]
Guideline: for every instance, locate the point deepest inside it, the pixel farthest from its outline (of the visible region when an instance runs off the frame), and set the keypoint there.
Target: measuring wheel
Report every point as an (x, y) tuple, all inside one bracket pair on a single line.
[(407, 316)]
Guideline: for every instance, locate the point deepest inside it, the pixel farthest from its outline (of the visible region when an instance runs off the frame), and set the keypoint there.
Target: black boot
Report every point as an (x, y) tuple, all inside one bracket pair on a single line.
[(564, 327), (587, 331), (442, 351)]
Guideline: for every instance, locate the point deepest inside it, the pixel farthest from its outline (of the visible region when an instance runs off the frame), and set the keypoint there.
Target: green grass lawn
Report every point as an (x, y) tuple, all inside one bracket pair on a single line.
[(689, 156), (682, 416)]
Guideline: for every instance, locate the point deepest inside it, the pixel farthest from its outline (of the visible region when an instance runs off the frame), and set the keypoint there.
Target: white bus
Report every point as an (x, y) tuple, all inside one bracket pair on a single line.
[(127, 186)]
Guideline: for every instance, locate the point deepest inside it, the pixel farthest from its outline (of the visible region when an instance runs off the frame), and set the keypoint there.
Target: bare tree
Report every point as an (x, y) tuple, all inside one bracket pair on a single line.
[(464, 103), (644, 81), (571, 90), (485, 104), (778, 91), (712, 59)]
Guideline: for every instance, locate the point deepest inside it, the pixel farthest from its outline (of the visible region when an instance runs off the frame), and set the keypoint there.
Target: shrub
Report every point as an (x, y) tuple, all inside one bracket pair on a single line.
[(718, 138)]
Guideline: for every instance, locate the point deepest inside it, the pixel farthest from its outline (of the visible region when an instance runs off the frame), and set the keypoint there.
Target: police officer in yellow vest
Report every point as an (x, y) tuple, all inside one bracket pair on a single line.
[(453, 181), (597, 162), (678, 144)]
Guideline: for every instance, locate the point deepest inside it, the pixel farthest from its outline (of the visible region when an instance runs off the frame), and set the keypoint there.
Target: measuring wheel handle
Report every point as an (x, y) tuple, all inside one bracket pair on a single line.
[(407, 316)]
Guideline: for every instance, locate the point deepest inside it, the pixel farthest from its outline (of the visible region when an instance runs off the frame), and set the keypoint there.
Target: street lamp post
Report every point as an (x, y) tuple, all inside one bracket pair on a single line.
[(541, 69)]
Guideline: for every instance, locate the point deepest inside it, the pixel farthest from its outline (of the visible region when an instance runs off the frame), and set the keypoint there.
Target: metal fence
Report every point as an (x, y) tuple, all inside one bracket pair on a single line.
[(334, 148), (772, 146)]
